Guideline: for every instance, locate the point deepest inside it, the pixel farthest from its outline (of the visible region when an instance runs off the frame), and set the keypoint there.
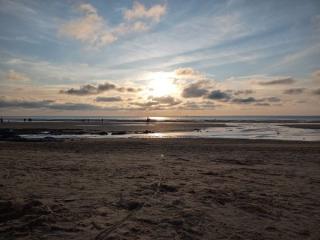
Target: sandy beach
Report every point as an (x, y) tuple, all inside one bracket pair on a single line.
[(159, 189)]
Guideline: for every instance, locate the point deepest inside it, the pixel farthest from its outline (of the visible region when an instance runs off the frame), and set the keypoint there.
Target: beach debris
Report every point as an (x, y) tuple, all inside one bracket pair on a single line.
[(119, 133)]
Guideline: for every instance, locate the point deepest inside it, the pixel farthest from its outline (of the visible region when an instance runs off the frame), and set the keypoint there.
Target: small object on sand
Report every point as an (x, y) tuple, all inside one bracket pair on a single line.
[(119, 133)]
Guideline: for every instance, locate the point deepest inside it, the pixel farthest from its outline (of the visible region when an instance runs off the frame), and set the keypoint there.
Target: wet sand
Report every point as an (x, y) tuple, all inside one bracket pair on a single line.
[(303, 125), (160, 189)]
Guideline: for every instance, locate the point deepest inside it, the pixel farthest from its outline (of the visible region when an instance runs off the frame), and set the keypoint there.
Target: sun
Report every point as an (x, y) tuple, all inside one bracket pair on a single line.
[(161, 84)]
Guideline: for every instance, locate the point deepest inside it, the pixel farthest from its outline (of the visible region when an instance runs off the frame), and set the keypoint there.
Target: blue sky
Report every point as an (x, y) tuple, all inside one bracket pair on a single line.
[(48, 47)]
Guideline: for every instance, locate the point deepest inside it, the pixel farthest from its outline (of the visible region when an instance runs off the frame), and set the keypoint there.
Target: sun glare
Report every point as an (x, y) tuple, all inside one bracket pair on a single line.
[(162, 85)]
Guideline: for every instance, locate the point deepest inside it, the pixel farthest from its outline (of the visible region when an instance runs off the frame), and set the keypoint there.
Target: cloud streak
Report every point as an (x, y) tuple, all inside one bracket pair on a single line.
[(108, 99), (283, 81), (47, 104), (294, 91), (13, 75), (90, 89)]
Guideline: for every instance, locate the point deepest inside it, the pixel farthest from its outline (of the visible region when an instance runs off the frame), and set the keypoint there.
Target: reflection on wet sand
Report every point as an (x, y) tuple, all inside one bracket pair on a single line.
[(231, 130)]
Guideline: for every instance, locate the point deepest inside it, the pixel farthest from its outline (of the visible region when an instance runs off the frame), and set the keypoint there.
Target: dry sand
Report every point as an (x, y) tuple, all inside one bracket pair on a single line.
[(159, 189)]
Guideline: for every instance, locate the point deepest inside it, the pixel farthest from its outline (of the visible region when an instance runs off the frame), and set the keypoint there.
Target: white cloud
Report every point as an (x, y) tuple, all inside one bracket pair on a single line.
[(12, 75), (139, 11), (93, 29)]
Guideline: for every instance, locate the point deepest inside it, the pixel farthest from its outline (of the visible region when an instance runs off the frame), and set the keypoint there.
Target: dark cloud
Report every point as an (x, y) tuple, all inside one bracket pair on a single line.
[(294, 91), (108, 99), (243, 92), (145, 104), (82, 91), (48, 104), (262, 104), (130, 89), (157, 103), (283, 81), (316, 92), (208, 105), (105, 87), (247, 100), (259, 102), (74, 106), (194, 90), (24, 104), (93, 90), (219, 95), (270, 99), (166, 100), (185, 72)]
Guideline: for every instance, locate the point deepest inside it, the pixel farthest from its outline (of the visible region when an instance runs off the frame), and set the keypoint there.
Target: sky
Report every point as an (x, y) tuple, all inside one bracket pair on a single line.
[(159, 58)]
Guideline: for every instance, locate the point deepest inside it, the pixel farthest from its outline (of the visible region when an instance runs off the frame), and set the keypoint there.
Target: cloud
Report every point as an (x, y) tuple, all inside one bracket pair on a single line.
[(186, 72), (12, 75), (74, 106), (24, 104), (316, 92), (139, 11), (94, 30), (108, 99), (198, 106), (195, 90), (243, 92), (166, 100), (158, 103), (283, 81), (218, 95), (316, 74), (260, 102), (316, 77), (82, 91), (94, 90), (129, 89), (294, 91), (271, 99), (247, 100), (48, 104), (91, 28)]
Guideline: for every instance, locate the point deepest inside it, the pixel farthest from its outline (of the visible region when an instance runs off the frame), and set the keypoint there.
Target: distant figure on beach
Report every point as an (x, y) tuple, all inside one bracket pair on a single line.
[(148, 120), (1, 120)]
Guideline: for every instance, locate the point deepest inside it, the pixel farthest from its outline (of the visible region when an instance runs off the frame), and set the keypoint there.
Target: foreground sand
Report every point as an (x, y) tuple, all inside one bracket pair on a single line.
[(159, 189)]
